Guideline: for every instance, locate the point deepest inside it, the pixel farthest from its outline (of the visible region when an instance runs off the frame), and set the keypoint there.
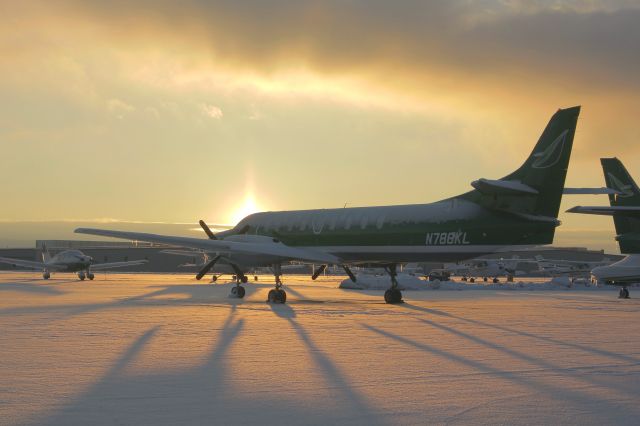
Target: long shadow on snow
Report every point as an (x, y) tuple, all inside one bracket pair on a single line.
[(574, 372), (578, 346), (356, 402), (199, 394), (31, 288), (575, 397)]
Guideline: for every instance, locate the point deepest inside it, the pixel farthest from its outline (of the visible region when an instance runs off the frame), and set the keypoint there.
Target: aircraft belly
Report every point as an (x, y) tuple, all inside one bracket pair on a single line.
[(387, 254)]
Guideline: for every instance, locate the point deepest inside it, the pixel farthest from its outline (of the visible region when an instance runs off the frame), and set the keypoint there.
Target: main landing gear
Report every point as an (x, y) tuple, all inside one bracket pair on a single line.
[(277, 294), (393, 295), (624, 293), (82, 275), (237, 290)]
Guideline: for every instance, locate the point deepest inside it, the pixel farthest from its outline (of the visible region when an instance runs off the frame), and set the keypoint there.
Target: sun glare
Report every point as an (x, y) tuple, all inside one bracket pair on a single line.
[(248, 206)]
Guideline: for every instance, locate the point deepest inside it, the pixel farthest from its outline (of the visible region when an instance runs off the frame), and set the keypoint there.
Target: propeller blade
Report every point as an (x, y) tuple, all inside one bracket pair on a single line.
[(317, 273), (207, 267), (207, 230), (348, 271)]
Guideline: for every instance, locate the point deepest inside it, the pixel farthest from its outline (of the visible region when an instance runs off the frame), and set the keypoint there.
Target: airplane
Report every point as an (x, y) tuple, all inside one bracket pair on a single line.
[(484, 268), (624, 206), (68, 261), (574, 268), (520, 209)]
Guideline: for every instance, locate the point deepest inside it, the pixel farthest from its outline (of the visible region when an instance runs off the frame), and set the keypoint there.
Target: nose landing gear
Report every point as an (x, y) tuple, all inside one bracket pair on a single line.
[(393, 295)]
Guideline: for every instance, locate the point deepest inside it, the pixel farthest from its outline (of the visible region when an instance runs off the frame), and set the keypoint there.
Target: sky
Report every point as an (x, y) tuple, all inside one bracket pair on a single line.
[(161, 111)]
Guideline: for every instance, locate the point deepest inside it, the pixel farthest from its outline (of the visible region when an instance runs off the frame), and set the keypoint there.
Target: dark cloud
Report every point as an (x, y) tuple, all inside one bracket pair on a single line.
[(414, 37)]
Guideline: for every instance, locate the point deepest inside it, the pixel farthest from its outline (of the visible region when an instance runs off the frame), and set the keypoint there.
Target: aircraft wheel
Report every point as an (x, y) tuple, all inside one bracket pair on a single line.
[(241, 292), (624, 293), (255, 278), (46, 275), (81, 276), (392, 296), (496, 280), (277, 296), (214, 279), (484, 279), (244, 279), (472, 280), (91, 276)]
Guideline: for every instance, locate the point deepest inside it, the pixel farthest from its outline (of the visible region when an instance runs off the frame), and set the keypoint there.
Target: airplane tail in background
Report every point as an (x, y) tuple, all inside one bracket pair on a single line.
[(534, 190), (627, 223), (45, 253)]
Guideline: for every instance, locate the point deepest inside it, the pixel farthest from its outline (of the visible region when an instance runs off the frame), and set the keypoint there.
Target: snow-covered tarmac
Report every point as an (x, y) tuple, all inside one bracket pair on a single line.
[(165, 349)]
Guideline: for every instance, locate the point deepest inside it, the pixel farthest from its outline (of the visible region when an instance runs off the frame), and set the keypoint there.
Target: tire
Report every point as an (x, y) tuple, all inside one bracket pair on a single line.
[(393, 296), (495, 280), (625, 292), (46, 275), (283, 296), (91, 276), (472, 280), (234, 291), (271, 298), (255, 278), (240, 292), (244, 279)]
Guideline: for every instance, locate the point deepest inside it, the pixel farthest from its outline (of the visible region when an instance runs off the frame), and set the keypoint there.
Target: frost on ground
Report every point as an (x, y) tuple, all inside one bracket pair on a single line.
[(165, 349)]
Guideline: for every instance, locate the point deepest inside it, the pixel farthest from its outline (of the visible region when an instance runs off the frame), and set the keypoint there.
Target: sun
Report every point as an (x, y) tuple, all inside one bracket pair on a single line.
[(248, 207)]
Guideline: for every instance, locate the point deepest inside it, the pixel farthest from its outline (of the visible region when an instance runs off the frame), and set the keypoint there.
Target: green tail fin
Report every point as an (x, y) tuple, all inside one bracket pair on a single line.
[(627, 227), (535, 189)]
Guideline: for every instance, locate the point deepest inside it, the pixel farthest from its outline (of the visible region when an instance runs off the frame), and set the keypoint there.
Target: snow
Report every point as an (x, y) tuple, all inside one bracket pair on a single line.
[(166, 349), (410, 282)]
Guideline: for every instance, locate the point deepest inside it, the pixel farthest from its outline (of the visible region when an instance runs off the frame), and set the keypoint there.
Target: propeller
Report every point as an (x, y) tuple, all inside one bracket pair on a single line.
[(207, 230), (348, 271), (207, 267), (317, 273)]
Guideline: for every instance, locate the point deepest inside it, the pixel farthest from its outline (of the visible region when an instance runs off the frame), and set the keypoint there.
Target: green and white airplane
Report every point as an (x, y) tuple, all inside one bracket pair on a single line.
[(520, 209)]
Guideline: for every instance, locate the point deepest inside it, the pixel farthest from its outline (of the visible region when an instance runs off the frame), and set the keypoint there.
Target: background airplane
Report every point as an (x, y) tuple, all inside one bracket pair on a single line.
[(624, 206), (520, 209), (68, 261)]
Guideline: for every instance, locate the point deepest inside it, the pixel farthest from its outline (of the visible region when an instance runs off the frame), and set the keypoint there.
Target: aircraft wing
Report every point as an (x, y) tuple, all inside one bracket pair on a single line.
[(25, 263), (101, 266), (607, 210), (272, 249)]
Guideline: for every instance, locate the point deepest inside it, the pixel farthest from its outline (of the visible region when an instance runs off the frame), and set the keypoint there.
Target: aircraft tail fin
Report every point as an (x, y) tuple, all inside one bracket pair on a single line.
[(627, 226), (535, 189)]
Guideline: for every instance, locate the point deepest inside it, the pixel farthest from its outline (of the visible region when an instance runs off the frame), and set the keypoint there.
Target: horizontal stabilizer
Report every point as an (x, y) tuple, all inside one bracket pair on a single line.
[(590, 191), (607, 210), (502, 187)]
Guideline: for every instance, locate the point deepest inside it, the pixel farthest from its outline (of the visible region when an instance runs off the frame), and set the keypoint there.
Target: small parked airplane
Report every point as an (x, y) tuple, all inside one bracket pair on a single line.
[(520, 209), (68, 261), (624, 206)]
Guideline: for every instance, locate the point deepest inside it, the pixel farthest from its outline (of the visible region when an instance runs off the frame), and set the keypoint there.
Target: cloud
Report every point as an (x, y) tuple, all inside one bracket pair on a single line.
[(212, 111)]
